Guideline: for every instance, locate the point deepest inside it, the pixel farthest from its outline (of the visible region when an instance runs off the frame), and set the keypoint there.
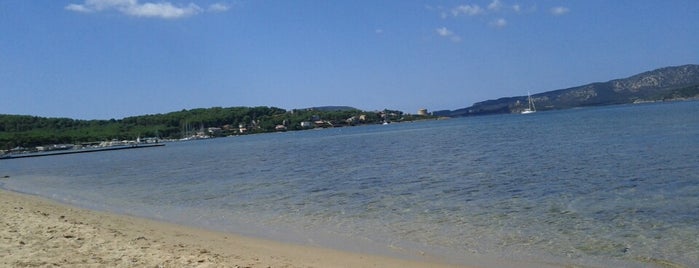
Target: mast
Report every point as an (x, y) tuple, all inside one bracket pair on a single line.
[(531, 102)]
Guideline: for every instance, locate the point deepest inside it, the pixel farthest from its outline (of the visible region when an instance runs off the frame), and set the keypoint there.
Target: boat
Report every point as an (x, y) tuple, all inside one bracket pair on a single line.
[(531, 109)]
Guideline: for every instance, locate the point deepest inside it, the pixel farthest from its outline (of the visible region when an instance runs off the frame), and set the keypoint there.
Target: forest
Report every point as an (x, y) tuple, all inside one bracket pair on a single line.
[(30, 131)]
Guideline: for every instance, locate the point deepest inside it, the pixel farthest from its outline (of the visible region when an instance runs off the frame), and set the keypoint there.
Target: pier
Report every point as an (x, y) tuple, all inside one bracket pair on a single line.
[(80, 151)]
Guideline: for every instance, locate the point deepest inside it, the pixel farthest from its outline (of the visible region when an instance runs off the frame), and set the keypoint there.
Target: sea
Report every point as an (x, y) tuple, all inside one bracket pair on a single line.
[(614, 186)]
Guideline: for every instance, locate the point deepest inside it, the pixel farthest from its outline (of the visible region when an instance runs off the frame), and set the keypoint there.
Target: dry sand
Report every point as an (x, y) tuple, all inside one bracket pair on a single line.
[(36, 232)]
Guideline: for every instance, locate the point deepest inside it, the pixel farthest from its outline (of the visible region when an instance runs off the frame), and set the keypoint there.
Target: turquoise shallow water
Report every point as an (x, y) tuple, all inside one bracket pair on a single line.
[(603, 186)]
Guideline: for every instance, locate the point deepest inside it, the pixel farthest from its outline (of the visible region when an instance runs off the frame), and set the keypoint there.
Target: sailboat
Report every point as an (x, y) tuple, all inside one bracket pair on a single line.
[(532, 108)]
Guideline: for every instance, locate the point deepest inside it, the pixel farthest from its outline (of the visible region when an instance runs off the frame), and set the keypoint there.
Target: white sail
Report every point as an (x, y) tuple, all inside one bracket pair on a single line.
[(531, 108)]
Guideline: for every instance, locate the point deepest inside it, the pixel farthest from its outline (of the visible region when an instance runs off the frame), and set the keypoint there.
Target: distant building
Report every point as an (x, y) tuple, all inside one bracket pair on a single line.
[(422, 112), (323, 123), (352, 120), (214, 131), (306, 124)]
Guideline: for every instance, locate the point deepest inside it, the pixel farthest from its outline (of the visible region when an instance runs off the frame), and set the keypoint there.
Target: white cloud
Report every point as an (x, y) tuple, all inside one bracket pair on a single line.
[(495, 5), (517, 8), (446, 33), (78, 8), (496, 13), (99, 5), (558, 11), (162, 10), (218, 7), (470, 10), (499, 23)]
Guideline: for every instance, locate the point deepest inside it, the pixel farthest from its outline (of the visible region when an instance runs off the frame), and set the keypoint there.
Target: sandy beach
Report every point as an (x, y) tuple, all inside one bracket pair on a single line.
[(37, 232)]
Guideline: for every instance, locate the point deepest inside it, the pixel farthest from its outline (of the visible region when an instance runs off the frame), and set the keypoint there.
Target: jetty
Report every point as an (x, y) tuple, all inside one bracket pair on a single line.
[(80, 151)]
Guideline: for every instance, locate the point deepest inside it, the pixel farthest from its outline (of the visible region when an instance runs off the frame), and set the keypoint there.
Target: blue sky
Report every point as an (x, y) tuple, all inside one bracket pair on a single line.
[(102, 59)]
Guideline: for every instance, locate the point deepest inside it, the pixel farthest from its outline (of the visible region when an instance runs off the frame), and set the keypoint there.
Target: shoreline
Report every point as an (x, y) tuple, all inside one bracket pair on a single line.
[(41, 232), (79, 151)]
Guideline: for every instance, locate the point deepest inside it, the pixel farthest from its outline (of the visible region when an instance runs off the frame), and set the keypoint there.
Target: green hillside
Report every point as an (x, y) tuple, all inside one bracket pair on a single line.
[(30, 131)]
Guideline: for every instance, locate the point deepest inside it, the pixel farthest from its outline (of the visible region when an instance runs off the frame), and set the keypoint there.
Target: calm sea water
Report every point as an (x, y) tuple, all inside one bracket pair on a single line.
[(601, 186)]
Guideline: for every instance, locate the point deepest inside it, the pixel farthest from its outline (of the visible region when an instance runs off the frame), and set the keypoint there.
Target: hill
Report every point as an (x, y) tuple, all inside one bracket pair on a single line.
[(29, 131), (669, 83)]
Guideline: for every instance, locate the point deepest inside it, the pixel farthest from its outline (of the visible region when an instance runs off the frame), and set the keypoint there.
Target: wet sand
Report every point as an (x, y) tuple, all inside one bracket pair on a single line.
[(37, 232)]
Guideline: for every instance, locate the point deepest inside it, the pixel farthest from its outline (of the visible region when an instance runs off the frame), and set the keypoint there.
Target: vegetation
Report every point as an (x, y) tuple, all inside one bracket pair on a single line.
[(664, 84), (30, 131), (682, 93)]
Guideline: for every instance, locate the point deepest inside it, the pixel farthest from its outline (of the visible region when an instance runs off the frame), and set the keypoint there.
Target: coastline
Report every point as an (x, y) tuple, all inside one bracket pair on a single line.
[(79, 151), (41, 232)]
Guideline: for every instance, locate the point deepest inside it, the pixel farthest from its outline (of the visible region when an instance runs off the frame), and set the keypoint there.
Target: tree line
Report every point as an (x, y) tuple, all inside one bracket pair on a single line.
[(30, 131)]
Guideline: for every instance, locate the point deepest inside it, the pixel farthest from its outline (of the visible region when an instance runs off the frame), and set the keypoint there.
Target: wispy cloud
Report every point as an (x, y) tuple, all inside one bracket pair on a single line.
[(495, 5), (558, 11), (494, 8), (161, 10), (516, 8), (218, 7), (497, 12), (446, 33), (470, 10), (499, 23)]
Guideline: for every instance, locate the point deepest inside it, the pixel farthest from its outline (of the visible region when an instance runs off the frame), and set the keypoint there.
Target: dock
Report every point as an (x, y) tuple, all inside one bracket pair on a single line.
[(80, 151)]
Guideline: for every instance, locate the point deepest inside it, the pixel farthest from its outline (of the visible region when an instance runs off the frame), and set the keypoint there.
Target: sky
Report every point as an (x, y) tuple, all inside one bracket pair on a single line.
[(104, 59)]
